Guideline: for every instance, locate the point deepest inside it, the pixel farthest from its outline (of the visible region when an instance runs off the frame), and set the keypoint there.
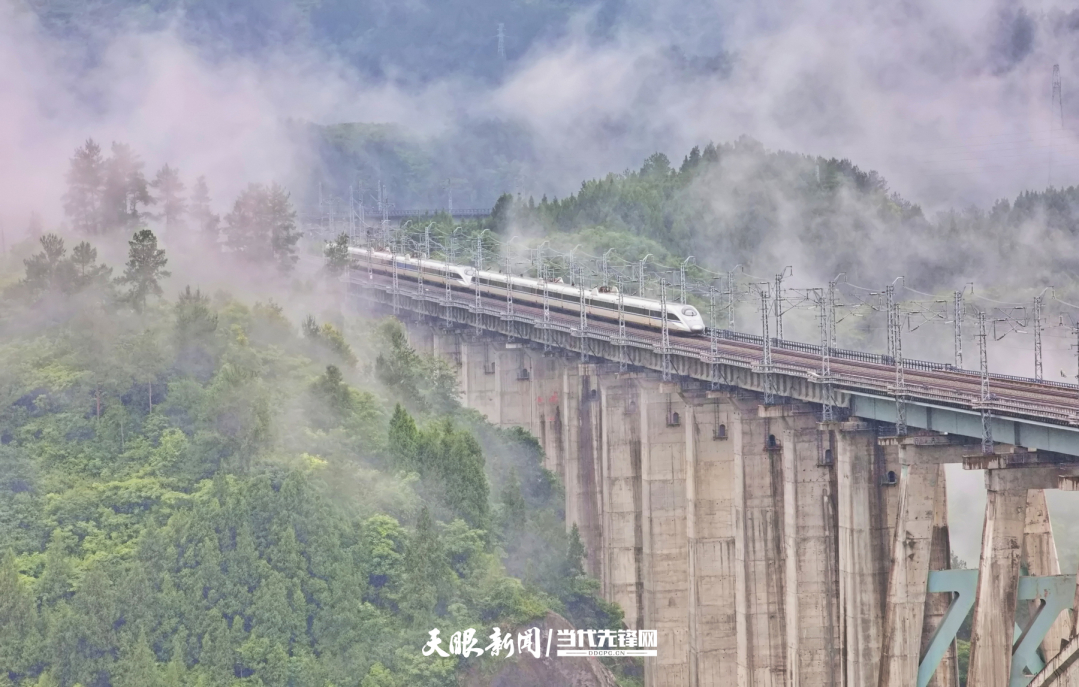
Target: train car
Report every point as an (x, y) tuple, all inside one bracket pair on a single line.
[(600, 303)]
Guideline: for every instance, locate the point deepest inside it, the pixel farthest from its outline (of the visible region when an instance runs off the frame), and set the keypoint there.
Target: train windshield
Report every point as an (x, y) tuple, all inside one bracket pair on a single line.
[(689, 312)]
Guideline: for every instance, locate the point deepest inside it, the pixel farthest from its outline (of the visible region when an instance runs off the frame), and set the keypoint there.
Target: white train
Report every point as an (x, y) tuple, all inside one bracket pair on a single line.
[(601, 303)]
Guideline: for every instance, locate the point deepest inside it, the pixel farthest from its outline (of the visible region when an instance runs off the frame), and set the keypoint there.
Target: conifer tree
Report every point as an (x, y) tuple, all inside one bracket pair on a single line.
[(198, 209), (85, 271), (145, 267), (125, 189), (43, 269), (170, 198), (85, 187), (338, 260), (284, 233)]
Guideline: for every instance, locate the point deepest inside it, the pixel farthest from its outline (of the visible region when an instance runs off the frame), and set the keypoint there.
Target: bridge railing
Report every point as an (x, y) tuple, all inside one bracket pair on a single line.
[(911, 389)]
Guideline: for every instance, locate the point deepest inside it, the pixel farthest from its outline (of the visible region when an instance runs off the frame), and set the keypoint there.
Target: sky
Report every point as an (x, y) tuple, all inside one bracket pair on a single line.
[(951, 102)]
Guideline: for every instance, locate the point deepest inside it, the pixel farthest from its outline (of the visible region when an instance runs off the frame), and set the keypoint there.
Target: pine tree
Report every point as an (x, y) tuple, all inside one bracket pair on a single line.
[(199, 211), (195, 327), (245, 226), (338, 260), (426, 570), (137, 666), (145, 266), (43, 269), (85, 271), (170, 198), (85, 187), (284, 234), (404, 438), (125, 189)]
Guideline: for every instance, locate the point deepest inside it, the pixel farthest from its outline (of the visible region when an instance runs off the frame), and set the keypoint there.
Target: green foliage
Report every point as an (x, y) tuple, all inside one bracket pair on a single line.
[(328, 338), (170, 189), (448, 459), (337, 256), (426, 382), (50, 272), (261, 228), (196, 324), (204, 494), (198, 209), (145, 267), (962, 654)]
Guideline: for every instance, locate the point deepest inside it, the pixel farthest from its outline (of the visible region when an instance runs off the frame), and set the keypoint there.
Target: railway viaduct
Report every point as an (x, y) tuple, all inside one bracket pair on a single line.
[(777, 511)]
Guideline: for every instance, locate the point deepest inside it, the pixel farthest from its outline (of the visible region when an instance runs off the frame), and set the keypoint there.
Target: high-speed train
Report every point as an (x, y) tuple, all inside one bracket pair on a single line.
[(601, 303)]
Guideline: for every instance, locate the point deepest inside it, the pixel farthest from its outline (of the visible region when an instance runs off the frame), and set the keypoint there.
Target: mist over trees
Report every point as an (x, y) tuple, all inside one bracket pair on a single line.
[(197, 490)]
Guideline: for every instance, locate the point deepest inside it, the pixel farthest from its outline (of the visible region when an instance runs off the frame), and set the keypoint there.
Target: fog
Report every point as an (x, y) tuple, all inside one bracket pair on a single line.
[(950, 102)]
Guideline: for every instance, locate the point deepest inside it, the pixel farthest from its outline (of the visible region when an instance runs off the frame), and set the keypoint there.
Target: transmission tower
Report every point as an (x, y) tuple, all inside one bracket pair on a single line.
[(1056, 106), (1058, 98)]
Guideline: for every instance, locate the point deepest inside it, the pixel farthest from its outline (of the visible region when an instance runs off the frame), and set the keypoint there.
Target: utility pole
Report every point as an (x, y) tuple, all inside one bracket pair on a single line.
[(900, 382), (958, 317), (889, 294), (730, 299), (831, 311), (547, 307), (682, 274), (983, 361), (1038, 337), (501, 42), (584, 314), (826, 323), (446, 274), (779, 301), (476, 281), (666, 340), (713, 337), (640, 275), (766, 362), (623, 363), (509, 289), (396, 287)]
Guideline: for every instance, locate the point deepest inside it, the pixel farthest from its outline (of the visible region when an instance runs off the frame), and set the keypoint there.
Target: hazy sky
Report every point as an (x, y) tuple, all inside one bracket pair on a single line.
[(950, 101)]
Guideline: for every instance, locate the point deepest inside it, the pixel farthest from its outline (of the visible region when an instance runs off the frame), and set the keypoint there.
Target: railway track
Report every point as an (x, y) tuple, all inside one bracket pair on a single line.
[(929, 382)]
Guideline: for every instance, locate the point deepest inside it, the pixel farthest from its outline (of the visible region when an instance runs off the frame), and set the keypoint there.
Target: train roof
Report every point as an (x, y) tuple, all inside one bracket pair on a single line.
[(552, 286)]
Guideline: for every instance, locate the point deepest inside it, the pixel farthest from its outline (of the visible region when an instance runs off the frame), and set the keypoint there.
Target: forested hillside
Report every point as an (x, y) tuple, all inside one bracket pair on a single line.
[(739, 203), (198, 489)]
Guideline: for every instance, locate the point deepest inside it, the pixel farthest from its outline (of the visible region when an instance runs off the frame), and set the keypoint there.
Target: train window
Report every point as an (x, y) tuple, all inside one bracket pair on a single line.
[(689, 312)]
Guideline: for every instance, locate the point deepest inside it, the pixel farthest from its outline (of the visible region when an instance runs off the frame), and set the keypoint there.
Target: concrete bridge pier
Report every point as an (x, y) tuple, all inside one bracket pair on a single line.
[(863, 545), (919, 543), (713, 631), (1007, 499), (1040, 560)]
